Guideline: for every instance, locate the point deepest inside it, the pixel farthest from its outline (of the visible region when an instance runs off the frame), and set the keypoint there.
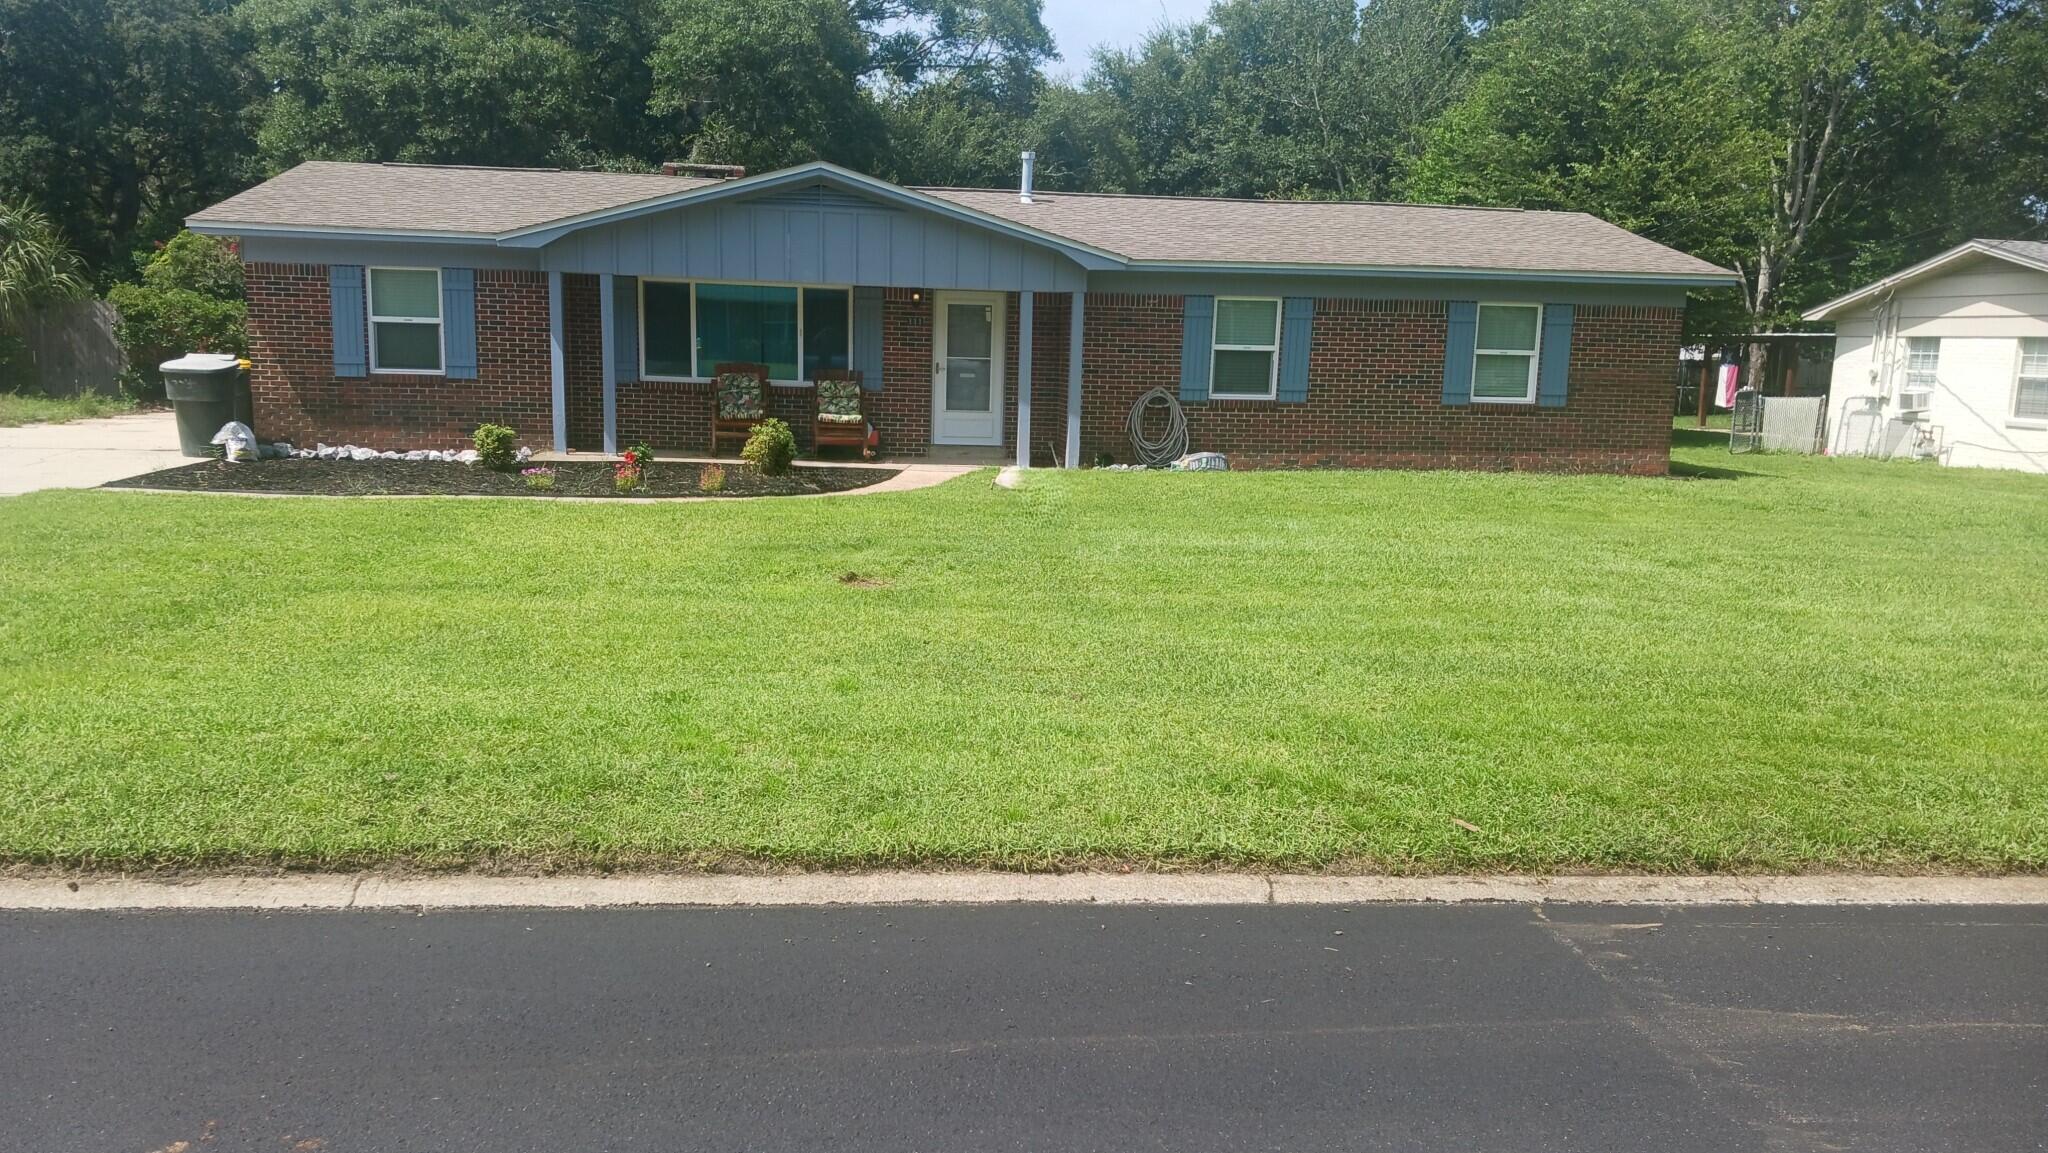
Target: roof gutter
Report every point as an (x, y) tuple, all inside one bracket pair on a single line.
[(231, 228)]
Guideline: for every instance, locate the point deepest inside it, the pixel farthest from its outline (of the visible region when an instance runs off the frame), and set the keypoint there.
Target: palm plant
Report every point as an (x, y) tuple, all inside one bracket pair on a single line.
[(36, 266)]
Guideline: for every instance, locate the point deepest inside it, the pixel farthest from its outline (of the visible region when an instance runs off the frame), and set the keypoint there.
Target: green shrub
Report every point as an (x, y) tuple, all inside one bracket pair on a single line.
[(189, 300), (206, 265), (495, 447), (770, 447)]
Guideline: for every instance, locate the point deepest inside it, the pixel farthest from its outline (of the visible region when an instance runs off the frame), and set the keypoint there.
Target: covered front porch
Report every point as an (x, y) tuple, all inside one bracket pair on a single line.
[(964, 333)]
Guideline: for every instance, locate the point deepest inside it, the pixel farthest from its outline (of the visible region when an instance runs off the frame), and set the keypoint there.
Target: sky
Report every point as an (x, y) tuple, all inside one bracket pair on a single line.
[(1080, 26)]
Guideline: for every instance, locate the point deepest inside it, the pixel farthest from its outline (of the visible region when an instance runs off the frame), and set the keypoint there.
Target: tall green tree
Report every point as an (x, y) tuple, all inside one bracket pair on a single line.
[(1775, 137), (958, 83), (1996, 152), (120, 117), (1603, 106), (1278, 97), (507, 82), (765, 83)]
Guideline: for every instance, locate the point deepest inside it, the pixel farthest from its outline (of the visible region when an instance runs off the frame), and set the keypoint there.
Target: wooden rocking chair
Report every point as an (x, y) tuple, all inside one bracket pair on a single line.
[(739, 401), (839, 420)]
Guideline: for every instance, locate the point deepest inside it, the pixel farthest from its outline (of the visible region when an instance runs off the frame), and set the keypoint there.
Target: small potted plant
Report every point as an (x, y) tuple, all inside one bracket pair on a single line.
[(539, 477)]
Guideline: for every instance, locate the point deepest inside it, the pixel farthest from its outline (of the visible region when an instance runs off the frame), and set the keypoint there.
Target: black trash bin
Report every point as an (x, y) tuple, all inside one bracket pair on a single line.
[(207, 390)]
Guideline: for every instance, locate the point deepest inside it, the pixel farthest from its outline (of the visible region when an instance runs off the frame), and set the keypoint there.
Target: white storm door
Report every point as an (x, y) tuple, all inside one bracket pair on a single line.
[(967, 368)]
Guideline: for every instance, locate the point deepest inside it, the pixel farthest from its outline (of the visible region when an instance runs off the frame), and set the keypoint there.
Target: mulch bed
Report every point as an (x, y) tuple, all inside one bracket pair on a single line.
[(433, 478)]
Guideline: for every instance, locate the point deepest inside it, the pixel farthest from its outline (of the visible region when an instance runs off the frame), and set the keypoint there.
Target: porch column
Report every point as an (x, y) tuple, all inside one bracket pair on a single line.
[(558, 361), (1024, 379), (1074, 322), (608, 357)]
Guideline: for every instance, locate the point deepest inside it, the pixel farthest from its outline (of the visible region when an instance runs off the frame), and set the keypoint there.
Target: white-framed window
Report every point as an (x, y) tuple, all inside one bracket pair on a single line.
[(688, 328), (1245, 350), (405, 320), (1504, 354), (2030, 391), (1923, 368)]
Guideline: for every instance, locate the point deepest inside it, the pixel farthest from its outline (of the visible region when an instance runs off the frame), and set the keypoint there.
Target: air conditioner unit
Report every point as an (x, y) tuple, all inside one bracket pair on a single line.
[(1916, 399)]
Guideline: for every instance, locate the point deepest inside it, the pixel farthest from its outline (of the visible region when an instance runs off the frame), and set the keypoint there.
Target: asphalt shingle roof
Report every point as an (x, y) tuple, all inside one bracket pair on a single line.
[(1343, 233), (434, 198), (490, 201), (2035, 250)]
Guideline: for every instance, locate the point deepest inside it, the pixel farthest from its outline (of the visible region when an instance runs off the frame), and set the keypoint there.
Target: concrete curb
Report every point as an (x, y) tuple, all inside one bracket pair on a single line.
[(337, 891)]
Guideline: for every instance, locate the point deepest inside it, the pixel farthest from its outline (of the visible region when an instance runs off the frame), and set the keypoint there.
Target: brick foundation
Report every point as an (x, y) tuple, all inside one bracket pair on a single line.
[(1375, 380)]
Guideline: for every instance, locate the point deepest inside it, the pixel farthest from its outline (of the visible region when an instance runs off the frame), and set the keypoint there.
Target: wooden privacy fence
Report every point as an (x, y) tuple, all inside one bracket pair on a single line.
[(71, 348)]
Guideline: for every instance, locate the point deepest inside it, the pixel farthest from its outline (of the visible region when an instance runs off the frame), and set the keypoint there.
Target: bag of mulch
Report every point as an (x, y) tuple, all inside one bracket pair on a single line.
[(237, 441)]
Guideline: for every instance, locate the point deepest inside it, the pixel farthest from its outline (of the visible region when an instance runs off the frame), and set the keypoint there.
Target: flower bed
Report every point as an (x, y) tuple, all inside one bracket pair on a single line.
[(436, 478)]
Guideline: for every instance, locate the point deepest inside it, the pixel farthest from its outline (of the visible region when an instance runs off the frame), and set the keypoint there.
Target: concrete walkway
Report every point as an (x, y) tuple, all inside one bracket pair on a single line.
[(86, 453), (337, 891)]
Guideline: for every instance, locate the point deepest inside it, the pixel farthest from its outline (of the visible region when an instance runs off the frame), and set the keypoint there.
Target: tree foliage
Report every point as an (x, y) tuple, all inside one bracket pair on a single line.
[(36, 268), (36, 265), (189, 299), (120, 117), (1809, 143)]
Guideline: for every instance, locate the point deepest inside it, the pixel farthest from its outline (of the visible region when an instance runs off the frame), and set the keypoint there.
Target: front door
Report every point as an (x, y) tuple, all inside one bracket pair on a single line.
[(967, 368)]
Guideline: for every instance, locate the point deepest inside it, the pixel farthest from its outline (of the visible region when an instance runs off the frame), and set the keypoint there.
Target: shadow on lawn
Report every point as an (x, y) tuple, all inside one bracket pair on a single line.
[(1703, 438), (1685, 470)]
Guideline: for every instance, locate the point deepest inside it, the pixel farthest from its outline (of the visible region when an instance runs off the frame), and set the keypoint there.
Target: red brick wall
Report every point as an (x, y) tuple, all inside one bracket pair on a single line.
[(298, 398), (1375, 377), (1375, 393)]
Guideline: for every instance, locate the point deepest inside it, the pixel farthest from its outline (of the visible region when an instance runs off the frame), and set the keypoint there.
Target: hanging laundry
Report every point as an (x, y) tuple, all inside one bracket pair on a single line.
[(1731, 381)]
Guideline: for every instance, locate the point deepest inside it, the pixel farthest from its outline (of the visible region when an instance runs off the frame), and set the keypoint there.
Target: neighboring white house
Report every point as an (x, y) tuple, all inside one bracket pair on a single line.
[(1948, 358)]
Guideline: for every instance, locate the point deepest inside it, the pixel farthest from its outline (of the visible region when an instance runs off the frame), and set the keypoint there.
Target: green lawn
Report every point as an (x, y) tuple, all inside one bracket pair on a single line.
[(1773, 663), (19, 408)]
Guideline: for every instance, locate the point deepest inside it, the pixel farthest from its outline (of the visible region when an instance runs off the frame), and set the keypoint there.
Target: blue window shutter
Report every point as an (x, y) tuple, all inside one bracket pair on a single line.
[(458, 321), (867, 336), (1198, 330), (1557, 355), (345, 307), (626, 327), (1297, 320), (1459, 341)]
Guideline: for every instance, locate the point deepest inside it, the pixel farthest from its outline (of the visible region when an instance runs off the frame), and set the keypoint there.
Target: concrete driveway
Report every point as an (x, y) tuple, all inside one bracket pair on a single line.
[(86, 453)]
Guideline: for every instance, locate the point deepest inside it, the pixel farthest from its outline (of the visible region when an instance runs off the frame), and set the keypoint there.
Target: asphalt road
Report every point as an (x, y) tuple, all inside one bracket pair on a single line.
[(1027, 1028)]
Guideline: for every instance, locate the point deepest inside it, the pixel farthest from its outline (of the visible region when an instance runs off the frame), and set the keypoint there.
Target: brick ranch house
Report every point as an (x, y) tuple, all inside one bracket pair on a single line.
[(398, 306)]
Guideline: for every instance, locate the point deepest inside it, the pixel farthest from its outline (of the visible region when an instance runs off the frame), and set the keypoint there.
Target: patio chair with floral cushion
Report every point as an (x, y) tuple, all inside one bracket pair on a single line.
[(739, 401), (839, 420)]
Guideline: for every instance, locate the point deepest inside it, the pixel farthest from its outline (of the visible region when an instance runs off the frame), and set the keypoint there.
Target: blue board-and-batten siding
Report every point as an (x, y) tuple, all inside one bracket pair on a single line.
[(780, 240)]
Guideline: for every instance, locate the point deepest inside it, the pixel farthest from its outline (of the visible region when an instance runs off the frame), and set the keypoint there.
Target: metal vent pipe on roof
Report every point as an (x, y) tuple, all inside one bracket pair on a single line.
[(1030, 166)]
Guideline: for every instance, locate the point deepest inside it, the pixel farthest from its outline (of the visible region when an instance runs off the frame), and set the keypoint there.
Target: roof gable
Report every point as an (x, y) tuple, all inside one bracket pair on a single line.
[(2024, 253)]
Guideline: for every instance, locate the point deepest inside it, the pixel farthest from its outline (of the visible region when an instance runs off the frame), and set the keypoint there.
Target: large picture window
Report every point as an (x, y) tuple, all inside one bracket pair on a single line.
[(1247, 348), (1504, 356), (689, 329), (405, 320)]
